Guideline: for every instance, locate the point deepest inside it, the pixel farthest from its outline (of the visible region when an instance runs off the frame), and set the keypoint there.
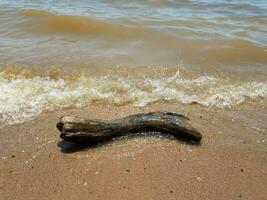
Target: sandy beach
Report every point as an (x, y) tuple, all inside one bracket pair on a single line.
[(230, 162), (103, 59)]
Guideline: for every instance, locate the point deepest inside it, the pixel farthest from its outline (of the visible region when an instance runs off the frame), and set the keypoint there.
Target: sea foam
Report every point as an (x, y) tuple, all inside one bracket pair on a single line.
[(22, 99)]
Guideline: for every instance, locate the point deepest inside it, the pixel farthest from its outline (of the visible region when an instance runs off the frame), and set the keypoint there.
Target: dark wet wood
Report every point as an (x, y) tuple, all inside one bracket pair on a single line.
[(79, 130)]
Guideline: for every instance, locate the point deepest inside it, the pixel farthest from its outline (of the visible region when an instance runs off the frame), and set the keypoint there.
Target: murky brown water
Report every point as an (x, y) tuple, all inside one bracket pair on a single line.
[(62, 54)]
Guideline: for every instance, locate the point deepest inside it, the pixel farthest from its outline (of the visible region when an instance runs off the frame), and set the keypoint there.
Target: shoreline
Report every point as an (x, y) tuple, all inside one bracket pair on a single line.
[(230, 163), (206, 60)]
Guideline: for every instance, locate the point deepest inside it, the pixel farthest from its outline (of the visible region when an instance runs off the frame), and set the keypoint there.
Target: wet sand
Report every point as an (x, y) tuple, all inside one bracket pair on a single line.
[(230, 163), (115, 55)]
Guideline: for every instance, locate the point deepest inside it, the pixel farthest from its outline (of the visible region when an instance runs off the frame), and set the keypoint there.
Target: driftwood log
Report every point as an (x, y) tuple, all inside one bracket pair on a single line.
[(83, 131)]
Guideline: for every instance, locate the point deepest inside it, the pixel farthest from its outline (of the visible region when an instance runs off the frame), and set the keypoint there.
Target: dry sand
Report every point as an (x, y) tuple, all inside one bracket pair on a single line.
[(230, 163)]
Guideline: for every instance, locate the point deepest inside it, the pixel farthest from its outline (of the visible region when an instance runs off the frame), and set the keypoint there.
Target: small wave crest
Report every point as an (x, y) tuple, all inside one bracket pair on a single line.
[(21, 99), (128, 42), (44, 22)]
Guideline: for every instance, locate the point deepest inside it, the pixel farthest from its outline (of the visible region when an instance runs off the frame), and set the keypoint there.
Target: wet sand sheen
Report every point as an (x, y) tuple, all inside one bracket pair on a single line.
[(230, 162)]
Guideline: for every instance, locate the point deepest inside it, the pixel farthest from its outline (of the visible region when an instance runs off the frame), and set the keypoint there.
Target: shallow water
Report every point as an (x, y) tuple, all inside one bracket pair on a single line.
[(213, 53)]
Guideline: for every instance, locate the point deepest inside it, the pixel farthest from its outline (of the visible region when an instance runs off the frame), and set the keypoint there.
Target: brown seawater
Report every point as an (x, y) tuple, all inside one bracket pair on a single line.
[(62, 54)]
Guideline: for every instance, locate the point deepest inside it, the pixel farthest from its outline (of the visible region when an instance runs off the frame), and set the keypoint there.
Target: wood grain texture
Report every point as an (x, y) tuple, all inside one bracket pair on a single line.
[(79, 130)]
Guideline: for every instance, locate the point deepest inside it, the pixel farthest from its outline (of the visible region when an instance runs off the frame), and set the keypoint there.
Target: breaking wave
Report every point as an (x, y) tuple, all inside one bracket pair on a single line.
[(22, 98)]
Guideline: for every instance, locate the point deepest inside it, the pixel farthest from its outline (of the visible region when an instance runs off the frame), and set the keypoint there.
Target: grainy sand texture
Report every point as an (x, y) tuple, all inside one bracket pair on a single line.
[(230, 162)]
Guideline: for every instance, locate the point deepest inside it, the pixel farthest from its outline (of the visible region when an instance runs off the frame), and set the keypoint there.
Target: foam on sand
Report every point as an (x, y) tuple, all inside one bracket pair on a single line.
[(22, 99)]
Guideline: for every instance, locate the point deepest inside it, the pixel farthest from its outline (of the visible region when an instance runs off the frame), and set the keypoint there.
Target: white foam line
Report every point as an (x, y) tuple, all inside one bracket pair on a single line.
[(23, 99)]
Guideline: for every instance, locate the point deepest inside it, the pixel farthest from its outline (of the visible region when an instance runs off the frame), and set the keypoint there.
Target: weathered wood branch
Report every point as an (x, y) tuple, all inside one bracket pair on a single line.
[(79, 130)]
